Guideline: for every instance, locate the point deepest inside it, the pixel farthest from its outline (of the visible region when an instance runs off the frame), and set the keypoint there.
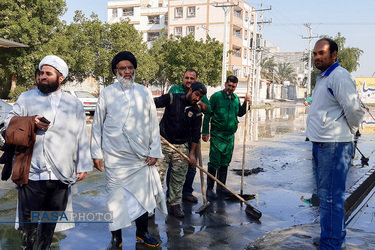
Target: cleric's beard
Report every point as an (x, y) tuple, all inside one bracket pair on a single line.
[(48, 88), (127, 83)]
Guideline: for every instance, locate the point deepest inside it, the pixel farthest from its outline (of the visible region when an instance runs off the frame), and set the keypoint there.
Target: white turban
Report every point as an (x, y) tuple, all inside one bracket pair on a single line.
[(55, 62)]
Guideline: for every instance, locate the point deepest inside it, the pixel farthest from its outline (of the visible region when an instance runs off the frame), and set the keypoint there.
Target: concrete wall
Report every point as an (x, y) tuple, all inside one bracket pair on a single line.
[(90, 85)]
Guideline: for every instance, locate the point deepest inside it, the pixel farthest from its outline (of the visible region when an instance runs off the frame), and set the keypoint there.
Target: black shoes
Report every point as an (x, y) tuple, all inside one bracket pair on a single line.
[(176, 211), (222, 192), (116, 241), (147, 239), (211, 194), (190, 198)]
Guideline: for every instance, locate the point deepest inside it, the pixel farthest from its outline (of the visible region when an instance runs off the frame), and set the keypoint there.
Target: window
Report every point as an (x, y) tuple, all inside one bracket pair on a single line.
[(247, 16), (128, 12), (191, 11), (153, 19), (191, 30), (178, 31), (245, 53), (152, 36), (178, 12), (166, 19), (238, 14), (114, 12), (245, 35), (237, 33), (237, 52)]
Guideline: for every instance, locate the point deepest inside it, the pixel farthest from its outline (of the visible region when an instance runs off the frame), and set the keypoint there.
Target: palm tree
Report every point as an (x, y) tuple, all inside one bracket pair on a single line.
[(268, 68), (286, 72)]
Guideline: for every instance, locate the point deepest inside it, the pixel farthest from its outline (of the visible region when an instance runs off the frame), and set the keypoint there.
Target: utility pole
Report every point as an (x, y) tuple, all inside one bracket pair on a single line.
[(259, 49), (253, 55), (226, 8), (310, 37)]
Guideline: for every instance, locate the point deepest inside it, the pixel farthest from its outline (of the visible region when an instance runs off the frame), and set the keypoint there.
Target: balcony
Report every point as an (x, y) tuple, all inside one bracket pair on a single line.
[(238, 14)]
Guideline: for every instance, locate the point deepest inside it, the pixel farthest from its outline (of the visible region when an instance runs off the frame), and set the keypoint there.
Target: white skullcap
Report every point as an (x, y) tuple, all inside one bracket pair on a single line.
[(56, 62)]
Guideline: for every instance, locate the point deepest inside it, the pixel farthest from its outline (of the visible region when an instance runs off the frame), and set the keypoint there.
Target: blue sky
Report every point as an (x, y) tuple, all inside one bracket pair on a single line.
[(354, 19)]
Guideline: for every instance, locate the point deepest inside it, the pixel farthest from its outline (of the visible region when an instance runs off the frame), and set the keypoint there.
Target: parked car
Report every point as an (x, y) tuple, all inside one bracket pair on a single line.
[(88, 100), (5, 108)]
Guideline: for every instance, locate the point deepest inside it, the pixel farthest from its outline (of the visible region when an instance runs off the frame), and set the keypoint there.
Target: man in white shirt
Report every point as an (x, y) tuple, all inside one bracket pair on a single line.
[(125, 139), (333, 120), (60, 155)]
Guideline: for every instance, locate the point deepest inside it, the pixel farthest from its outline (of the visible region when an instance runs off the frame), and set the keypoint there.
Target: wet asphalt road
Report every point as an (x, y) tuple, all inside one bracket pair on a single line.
[(275, 142)]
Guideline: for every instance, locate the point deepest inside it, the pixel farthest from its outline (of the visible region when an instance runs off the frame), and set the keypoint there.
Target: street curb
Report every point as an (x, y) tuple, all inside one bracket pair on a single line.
[(358, 192)]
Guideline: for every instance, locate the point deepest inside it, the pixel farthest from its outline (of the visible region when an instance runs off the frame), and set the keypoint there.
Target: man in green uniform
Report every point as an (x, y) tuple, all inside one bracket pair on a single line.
[(190, 76), (225, 107)]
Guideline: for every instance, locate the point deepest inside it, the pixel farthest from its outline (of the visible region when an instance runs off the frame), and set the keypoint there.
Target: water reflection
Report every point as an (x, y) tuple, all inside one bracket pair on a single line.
[(269, 123)]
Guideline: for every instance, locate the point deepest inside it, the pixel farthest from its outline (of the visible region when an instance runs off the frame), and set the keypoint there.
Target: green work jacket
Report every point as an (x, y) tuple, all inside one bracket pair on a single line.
[(223, 115), (179, 89)]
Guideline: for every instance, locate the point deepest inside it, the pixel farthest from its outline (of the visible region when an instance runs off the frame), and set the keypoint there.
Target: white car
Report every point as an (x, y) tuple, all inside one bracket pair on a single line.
[(5, 108), (88, 100)]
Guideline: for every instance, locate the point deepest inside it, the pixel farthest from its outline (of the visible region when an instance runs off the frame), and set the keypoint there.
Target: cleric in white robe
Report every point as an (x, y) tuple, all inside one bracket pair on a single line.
[(125, 133)]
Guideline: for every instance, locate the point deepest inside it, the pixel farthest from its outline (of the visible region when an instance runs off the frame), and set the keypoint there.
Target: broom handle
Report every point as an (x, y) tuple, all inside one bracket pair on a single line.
[(205, 171), (244, 139), (201, 173)]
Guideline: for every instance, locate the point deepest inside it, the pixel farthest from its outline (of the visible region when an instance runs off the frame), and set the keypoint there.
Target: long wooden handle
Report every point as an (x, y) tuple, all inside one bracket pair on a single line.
[(201, 173), (244, 138), (206, 172)]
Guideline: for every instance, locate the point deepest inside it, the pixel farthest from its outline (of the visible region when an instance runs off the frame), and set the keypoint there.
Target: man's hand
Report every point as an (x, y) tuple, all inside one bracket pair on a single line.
[(205, 138), (81, 176), (193, 160), (248, 98), (98, 164), (202, 106), (39, 124), (150, 161)]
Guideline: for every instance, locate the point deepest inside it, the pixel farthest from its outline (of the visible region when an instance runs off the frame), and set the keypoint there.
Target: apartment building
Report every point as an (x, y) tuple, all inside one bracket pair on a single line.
[(198, 18), (147, 16)]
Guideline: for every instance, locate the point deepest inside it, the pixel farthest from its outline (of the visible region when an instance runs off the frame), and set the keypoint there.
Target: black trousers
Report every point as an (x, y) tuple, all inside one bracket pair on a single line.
[(46, 195)]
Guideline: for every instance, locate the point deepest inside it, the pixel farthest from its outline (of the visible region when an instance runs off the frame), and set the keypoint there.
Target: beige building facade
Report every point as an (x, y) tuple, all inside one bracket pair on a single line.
[(206, 17), (198, 18)]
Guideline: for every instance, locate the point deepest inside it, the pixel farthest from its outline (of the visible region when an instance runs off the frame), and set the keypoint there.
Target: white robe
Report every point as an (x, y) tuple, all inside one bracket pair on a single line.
[(64, 147), (125, 131)]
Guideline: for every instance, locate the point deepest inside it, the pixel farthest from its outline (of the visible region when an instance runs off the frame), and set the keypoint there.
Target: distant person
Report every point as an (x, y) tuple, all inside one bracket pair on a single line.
[(180, 126), (225, 108), (190, 76), (60, 155), (307, 102), (37, 76), (125, 140), (333, 120)]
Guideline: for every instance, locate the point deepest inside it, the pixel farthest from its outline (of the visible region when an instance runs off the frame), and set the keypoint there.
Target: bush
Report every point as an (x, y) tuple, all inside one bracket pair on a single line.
[(17, 91)]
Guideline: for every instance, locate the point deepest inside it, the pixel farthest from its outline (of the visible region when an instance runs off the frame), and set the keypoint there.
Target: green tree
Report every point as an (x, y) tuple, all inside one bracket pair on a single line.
[(348, 57), (33, 23), (156, 52), (91, 46), (182, 53)]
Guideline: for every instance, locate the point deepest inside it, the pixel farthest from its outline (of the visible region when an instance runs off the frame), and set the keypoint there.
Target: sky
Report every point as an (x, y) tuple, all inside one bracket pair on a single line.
[(355, 20)]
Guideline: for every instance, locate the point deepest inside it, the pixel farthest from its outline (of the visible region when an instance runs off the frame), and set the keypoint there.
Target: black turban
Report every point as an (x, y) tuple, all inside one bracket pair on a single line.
[(123, 55)]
